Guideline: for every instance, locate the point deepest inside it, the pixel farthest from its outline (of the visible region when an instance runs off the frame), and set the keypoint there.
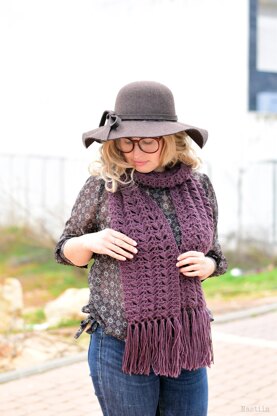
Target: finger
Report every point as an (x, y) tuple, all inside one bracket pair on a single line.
[(188, 261), (114, 255), (121, 243), (121, 236), (118, 250), (191, 274), (190, 253), (191, 268)]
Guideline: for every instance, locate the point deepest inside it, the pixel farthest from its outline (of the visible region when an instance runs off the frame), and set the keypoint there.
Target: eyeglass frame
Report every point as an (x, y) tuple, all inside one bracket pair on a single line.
[(137, 141)]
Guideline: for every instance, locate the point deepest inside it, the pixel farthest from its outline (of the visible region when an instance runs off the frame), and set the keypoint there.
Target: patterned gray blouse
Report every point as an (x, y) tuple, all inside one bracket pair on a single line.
[(90, 214)]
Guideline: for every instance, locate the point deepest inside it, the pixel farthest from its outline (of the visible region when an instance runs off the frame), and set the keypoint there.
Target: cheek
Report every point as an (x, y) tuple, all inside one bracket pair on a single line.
[(159, 153), (156, 159), (126, 157)]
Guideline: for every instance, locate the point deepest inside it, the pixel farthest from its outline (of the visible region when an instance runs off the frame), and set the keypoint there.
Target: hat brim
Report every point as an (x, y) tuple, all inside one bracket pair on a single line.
[(143, 128)]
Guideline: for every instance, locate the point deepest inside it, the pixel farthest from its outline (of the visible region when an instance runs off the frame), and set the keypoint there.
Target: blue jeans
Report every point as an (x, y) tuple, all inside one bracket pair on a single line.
[(121, 394)]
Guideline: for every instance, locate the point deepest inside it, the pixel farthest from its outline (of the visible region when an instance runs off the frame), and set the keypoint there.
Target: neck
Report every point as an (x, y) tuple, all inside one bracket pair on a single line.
[(166, 179), (160, 169)]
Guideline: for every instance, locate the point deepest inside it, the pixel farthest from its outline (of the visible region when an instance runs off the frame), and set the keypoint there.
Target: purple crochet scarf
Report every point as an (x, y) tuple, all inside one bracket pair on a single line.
[(168, 321)]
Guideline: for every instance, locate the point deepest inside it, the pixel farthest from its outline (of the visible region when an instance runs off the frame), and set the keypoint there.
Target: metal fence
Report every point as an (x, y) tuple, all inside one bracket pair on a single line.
[(39, 191)]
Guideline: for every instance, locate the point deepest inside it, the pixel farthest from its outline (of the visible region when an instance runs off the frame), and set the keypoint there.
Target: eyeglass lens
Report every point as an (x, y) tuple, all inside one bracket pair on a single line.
[(147, 145)]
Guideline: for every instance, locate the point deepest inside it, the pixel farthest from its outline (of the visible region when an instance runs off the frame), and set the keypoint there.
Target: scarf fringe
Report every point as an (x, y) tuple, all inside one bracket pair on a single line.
[(169, 345)]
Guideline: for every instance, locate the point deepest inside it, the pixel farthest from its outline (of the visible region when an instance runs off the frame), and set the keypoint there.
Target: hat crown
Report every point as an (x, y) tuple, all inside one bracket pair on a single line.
[(142, 109), (145, 100)]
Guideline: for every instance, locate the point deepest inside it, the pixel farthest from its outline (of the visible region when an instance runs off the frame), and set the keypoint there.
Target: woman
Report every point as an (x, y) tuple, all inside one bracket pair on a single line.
[(148, 218)]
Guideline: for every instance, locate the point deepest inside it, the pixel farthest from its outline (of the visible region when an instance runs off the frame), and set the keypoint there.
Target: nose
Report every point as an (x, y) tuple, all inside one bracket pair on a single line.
[(136, 149)]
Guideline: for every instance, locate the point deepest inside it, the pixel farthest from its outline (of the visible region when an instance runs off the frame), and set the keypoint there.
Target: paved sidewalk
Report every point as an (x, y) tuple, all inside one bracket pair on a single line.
[(242, 380)]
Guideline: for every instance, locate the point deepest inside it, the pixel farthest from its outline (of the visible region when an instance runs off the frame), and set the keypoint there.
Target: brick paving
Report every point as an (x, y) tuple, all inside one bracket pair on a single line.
[(242, 380)]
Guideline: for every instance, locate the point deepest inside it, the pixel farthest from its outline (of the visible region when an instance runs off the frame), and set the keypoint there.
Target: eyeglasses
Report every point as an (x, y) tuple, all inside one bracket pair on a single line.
[(146, 144)]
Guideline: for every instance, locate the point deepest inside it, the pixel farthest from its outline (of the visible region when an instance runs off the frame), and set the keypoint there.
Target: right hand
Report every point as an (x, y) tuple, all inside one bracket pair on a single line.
[(110, 242)]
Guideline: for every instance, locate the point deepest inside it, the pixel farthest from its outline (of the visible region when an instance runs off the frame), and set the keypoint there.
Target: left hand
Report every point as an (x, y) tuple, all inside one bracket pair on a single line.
[(195, 264)]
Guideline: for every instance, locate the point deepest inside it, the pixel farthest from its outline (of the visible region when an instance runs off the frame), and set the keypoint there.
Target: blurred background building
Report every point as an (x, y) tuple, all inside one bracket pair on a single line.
[(64, 62)]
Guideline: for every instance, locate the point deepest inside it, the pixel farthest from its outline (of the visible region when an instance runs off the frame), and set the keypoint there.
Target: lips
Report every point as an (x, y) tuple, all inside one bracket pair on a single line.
[(139, 163)]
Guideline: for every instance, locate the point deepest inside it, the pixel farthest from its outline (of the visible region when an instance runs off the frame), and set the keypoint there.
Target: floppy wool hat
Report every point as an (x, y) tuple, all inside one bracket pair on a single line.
[(142, 109)]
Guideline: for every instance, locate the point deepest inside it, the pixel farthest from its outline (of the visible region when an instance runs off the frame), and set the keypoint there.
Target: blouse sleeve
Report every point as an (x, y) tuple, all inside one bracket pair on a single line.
[(215, 252), (83, 216)]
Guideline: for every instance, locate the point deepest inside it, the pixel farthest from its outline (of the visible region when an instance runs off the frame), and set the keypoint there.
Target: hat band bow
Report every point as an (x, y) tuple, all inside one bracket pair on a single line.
[(113, 119)]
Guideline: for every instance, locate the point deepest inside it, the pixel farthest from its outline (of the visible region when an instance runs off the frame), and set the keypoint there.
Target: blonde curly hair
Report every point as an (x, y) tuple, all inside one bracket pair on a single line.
[(112, 165)]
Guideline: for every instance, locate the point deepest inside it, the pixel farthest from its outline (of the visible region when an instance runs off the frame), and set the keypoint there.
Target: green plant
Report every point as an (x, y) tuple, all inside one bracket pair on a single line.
[(36, 316)]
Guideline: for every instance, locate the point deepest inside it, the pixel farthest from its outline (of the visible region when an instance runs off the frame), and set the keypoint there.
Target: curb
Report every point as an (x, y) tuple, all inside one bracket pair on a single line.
[(41, 368), (244, 313), (61, 362)]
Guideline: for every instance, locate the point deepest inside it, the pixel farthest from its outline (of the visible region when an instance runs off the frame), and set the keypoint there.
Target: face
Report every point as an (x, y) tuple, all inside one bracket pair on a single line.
[(144, 162)]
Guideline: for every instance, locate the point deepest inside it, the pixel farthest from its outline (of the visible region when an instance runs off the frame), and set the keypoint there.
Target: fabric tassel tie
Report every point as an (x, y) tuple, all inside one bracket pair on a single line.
[(168, 345)]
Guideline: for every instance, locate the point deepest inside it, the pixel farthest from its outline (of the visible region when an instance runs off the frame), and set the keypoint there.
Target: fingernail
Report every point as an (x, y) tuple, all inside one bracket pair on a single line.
[(135, 243)]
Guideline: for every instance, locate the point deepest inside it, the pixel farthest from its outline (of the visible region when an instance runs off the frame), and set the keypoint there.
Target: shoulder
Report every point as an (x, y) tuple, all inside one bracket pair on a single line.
[(202, 177), (94, 181), (206, 183), (93, 186)]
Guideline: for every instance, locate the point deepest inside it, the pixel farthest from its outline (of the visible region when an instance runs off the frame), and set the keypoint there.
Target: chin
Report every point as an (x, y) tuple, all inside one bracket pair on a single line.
[(144, 169)]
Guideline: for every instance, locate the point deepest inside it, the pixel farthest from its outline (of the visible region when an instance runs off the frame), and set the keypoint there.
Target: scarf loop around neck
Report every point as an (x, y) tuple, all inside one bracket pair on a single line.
[(168, 322)]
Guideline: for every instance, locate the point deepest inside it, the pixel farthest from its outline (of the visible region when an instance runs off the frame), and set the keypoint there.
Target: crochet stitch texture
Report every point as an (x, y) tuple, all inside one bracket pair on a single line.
[(168, 321)]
